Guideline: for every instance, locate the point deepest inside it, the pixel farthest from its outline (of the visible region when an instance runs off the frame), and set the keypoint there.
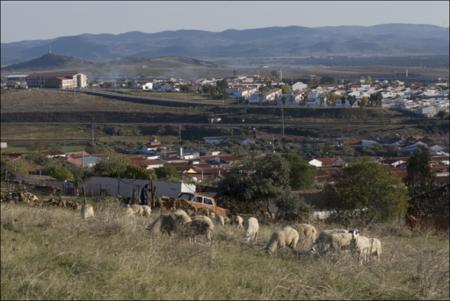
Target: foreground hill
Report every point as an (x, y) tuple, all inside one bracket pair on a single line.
[(291, 41), (50, 253)]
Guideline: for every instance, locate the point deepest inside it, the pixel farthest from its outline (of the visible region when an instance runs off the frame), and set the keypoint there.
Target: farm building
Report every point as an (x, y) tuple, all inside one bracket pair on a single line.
[(57, 79)]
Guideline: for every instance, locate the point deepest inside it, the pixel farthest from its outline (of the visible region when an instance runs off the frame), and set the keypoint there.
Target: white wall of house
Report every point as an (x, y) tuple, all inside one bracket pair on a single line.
[(124, 187)]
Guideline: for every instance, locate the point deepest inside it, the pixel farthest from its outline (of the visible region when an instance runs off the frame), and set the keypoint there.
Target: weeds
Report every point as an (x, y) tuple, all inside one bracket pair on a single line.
[(51, 253)]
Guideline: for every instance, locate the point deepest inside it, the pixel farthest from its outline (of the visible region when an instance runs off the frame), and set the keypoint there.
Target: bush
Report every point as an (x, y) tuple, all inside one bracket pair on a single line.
[(370, 192), (60, 172)]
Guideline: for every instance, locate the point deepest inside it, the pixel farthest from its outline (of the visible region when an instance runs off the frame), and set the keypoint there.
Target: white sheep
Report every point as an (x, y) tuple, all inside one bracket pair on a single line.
[(220, 219), (365, 246), (337, 239), (180, 214), (147, 210), (287, 236), (134, 209), (239, 221), (251, 228), (308, 234), (87, 211)]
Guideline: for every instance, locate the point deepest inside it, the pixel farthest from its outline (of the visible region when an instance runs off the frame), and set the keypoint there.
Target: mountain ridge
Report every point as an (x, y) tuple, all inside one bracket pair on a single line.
[(378, 40)]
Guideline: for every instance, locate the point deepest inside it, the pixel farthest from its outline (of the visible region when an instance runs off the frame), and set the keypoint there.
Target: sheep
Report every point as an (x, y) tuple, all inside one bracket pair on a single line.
[(180, 214), (220, 219), (179, 222), (134, 209), (287, 236), (87, 211), (337, 239), (239, 221), (201, 225), (147, 210), (365, 246), (307, 233), (251, 229)]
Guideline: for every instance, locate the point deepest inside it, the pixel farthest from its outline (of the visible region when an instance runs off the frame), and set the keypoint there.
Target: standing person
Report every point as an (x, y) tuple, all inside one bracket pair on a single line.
[(144, 195)]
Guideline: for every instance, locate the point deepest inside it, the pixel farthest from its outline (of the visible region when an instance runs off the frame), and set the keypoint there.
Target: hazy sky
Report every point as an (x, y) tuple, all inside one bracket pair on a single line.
[(49, 19)]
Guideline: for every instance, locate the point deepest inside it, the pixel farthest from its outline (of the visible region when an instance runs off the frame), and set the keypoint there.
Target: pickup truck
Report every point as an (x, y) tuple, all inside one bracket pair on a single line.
[(202, 201)]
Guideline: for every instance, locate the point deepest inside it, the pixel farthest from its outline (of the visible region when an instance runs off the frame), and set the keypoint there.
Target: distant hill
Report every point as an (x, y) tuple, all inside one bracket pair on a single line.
[(123, 68), (291, 41), (47, 62)]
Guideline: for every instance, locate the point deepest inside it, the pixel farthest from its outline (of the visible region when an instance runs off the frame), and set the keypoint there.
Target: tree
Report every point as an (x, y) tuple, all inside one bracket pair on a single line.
[(59, 171), (327, 80), (138, 172), (258, 183), (419, 174), (371, 192), (286, 89), (12, 167), (167, 172), (332, 97), (301, 174), (111, 166), (376, 99), (291, 207), (364, 101)]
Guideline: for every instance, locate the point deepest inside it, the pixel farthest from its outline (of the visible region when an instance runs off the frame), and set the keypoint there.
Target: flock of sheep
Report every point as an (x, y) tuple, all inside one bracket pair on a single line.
[(180, 222)]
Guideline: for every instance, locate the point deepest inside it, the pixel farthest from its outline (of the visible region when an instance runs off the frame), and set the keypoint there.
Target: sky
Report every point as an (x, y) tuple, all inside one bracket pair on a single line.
[(36, 20)]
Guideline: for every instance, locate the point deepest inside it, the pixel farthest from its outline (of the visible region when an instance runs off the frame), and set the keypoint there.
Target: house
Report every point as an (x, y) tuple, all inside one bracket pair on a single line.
[(271, 95), (57, 79), (147, 86), (215, 140), (83, 160), (315, 163), (147, 163), (17, 81), (299, 86)]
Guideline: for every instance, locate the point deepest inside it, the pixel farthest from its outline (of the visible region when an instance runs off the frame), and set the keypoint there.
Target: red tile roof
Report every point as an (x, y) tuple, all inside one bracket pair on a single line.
[(57, 74)]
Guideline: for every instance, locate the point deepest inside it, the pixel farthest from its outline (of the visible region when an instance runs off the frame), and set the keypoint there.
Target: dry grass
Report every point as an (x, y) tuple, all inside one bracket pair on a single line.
[(50, 253), (48, 100)]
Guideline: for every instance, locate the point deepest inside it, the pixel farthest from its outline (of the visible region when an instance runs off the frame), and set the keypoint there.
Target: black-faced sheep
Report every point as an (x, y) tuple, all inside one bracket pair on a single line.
[(287, 236), (365, 247), (336, 239), (251, 228)]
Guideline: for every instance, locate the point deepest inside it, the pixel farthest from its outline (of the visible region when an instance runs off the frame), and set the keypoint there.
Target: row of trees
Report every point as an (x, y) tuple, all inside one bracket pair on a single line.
[(366, 191)]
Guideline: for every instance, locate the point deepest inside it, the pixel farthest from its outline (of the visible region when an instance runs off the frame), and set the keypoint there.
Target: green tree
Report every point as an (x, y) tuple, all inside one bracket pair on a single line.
[(11, 167), (111, 166), (138, 172), (59, 171), (167, 172), (364, 101), (258, 183), (286, 89), (419, 174), (301, 174), (376, 99), (372, 189), (291, 207)]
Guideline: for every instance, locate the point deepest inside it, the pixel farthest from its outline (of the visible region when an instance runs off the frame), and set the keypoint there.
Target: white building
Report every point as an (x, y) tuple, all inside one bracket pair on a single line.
[(315, 163), (299, 86), (147, 86)]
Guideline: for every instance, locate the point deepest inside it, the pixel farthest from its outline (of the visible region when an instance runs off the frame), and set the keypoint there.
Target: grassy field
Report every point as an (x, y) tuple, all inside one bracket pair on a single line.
[(50, 253)]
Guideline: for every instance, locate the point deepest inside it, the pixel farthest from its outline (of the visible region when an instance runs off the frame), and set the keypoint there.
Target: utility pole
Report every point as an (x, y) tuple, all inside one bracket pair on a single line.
[(92, 134)]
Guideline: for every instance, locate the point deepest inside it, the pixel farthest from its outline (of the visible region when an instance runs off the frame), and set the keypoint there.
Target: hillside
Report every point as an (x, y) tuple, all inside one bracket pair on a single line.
[(291, 41), (129, 67), (50, 253), (47, 62)]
